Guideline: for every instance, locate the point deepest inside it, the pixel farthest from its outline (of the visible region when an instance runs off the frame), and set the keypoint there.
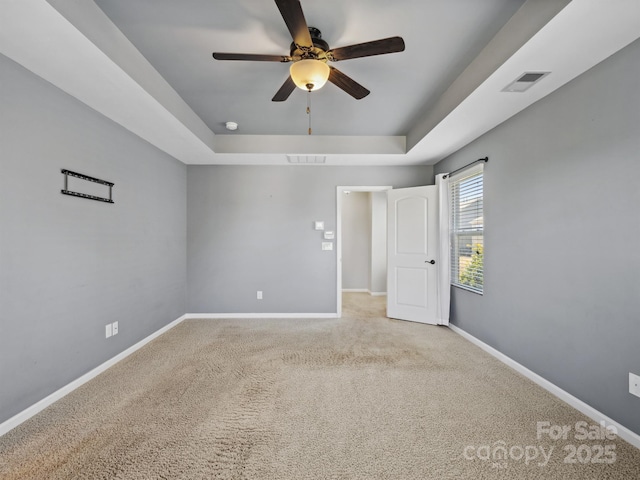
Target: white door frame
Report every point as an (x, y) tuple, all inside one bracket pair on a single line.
[(339, 195)]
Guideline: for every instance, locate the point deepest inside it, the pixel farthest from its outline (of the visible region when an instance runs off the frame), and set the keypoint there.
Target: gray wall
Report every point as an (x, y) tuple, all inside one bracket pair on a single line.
[(356, 240), (251, 228), (378, 271), (69, 266), (562, 283)]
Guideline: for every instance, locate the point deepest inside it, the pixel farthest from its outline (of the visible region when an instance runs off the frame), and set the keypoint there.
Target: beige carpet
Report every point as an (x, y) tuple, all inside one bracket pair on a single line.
[(362, 397)]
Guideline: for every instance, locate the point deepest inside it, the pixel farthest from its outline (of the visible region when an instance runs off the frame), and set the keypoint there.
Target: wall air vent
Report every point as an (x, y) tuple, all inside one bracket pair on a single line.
[(303, 159), (525, 81)]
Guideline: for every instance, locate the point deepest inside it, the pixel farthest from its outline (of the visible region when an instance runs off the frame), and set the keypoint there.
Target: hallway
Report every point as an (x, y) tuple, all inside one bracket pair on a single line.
[(363, 305)]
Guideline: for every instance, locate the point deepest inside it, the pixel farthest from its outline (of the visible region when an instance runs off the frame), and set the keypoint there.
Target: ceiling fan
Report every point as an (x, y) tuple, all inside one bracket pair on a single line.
[(309, 55)]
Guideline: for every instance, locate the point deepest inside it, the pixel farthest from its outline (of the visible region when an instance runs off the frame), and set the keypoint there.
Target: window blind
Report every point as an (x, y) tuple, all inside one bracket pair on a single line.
[(467, 230)]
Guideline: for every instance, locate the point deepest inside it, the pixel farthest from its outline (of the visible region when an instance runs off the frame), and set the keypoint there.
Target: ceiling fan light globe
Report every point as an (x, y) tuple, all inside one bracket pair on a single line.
[(309, 72)]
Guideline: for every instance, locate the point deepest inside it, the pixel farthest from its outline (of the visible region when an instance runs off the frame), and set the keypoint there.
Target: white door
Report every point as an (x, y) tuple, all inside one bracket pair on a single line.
[(412, 254)]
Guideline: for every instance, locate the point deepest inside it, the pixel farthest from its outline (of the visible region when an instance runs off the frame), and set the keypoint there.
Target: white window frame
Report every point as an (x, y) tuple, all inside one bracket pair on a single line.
[(456, 233)]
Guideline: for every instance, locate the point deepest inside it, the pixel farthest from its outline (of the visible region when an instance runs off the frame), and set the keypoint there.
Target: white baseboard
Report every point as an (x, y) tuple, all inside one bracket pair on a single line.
[(29, 412), (363, 290), (219, 316), (622, 431)]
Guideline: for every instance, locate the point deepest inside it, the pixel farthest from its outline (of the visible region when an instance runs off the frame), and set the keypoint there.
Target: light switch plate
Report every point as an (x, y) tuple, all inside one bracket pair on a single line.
[(329, 235), (634, 384), (318, 225), (114, 328), (108, 331), (327, 245)]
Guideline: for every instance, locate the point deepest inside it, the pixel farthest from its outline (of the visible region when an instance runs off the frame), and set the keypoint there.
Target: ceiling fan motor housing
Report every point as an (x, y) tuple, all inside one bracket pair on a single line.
[(317, 52)]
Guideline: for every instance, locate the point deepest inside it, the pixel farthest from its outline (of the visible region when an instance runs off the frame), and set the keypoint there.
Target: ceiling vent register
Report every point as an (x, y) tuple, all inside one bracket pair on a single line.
[(306, 158), (525, 81)]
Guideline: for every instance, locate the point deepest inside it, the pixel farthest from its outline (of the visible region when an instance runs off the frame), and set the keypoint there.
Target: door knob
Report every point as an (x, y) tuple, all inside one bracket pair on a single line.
[(432, 262)]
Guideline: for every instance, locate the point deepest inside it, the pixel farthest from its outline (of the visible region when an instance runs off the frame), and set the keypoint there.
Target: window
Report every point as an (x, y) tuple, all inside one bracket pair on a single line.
[(467, 230)]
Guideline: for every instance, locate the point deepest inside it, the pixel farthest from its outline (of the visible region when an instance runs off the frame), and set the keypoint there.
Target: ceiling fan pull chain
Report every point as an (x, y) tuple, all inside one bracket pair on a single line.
[(309, 108)]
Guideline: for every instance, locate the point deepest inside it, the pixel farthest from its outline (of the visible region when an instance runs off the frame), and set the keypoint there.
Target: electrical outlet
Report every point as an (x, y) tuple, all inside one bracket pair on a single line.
[(115, 328), (108, 331), (259, 295), (634, 384)]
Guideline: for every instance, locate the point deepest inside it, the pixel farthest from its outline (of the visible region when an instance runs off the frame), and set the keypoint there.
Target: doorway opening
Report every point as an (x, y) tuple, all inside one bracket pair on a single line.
[(377, 250)]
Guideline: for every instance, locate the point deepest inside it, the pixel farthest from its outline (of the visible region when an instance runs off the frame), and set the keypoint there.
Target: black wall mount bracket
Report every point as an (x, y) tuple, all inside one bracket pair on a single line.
[(66, 191)]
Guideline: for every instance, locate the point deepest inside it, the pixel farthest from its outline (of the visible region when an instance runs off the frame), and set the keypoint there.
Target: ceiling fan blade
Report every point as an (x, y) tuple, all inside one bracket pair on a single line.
[(291, 12), (367, 49), (252, 57), (285, 90), (347, 84)]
